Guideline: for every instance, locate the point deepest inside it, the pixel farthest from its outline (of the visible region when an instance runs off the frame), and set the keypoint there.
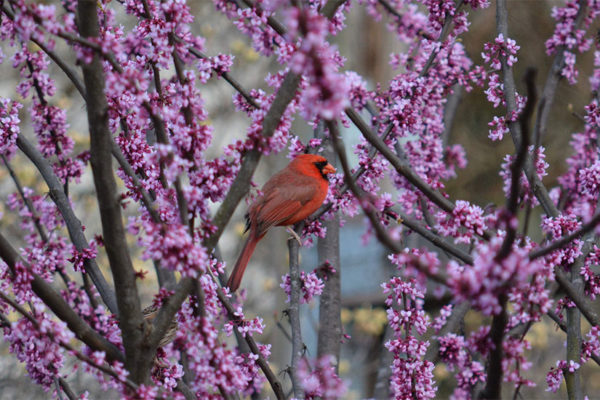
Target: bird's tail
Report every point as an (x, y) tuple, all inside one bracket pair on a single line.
[(240, 266)]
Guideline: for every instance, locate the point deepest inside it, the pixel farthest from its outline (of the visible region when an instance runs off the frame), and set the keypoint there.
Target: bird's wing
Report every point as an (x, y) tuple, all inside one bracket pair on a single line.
[(282, 199)]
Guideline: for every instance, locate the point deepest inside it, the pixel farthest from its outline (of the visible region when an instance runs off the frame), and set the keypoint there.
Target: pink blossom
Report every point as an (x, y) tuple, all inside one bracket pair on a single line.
[(488, 278), (321, 381)]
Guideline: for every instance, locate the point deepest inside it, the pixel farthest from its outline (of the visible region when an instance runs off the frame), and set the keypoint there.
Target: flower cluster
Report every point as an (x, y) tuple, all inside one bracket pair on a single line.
[(556, 228), (569, 36), (488, 278), (412, 376), (321, 381), (325, 93), (9, 126), (464, 223), (454, 352), (310, 285)]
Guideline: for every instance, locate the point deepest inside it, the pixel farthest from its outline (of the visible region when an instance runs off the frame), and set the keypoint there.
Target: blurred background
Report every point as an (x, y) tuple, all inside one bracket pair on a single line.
[(367, 45)]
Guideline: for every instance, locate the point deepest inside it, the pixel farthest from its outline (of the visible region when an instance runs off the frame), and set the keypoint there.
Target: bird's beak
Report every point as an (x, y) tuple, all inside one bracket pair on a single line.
[(328, 169)]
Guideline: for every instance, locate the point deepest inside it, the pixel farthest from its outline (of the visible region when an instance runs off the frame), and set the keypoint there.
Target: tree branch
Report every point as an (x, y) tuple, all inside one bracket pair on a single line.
[(71, 221), (330, 324), (382, 235), (131, 321), (59, 306), (494, 368), (67, 346), (573, 379), (400, 167)]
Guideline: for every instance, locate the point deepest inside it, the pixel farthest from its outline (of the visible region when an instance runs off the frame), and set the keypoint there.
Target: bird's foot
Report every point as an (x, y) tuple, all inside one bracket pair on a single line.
[(294, 235)]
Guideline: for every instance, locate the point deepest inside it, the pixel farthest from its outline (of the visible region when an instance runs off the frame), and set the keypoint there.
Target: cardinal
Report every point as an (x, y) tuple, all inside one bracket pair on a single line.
[(288, 197)]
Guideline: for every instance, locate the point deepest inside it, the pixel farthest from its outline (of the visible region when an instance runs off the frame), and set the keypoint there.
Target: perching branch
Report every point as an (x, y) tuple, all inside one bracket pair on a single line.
[(294, 312)]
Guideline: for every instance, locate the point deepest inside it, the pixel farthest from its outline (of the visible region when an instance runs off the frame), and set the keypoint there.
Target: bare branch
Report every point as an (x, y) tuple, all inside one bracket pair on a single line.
[(67, 389), (434, 238), (573, 379), (330, 324)]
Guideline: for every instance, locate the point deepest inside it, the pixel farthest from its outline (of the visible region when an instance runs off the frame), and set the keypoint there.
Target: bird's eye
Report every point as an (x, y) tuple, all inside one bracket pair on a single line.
[(320, 164)]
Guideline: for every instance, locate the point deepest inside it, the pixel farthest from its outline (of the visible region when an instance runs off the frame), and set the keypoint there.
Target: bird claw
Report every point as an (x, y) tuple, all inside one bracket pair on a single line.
[(294, 235)]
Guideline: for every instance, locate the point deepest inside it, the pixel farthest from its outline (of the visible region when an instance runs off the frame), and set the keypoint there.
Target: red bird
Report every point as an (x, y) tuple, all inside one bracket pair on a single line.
[(288, 197)]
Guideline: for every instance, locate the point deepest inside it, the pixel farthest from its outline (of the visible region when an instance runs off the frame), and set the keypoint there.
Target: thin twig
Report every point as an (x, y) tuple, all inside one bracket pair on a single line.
[(434, 238), (27, 201), (262, 363), (442, 37), (452, 325), (67, 389)]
